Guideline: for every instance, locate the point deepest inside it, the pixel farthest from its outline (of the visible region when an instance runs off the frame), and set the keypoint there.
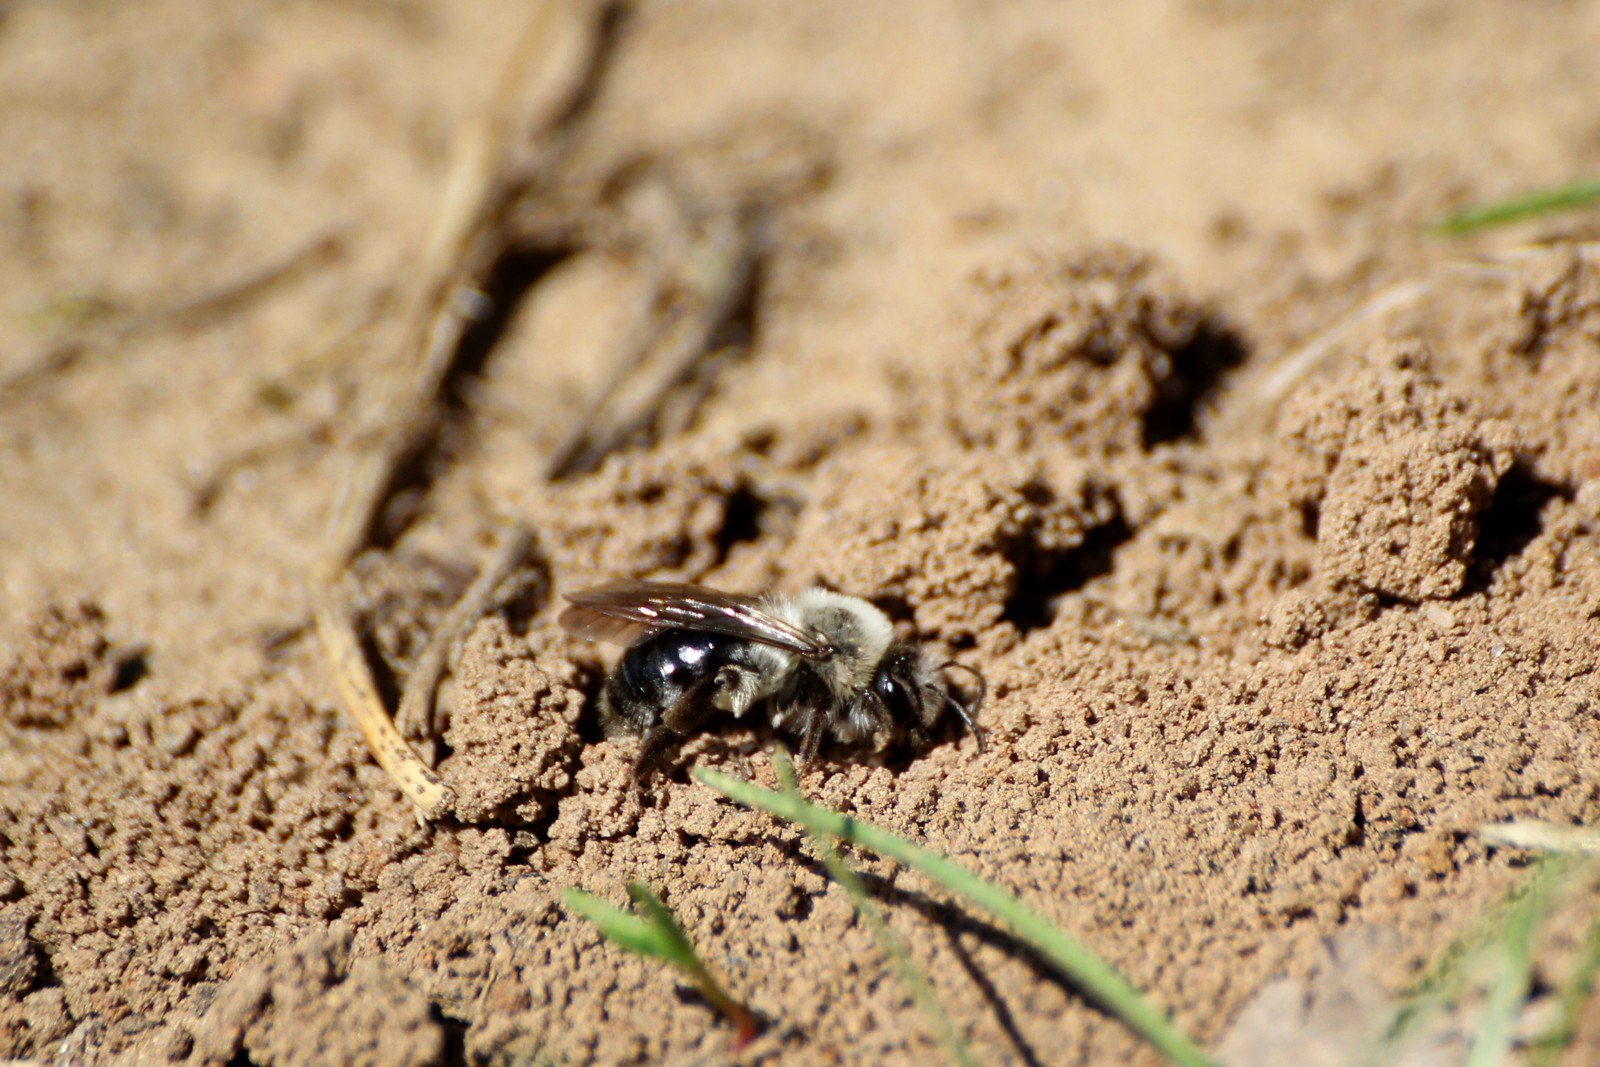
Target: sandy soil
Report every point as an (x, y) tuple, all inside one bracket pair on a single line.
[(1097, 343)]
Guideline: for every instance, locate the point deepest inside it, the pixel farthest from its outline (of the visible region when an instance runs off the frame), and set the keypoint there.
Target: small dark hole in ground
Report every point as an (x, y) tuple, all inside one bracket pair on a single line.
[(803, 906), (383, 676), (1049, 576), (44, 973), (526, 595), (1310, 518), (1512, 520), (132, 667), (742, 516), (1197, 368), (492, 307), (510, 280), (591, 680), (454, 1052), (897, 608)]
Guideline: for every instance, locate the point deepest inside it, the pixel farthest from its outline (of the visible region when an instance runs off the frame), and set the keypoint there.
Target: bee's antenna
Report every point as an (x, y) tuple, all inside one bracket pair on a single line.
[(983, 686), (968, 714)]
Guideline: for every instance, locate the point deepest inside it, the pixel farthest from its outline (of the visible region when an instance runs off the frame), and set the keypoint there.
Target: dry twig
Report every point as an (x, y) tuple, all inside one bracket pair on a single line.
[(1306, 358), (464, 242), (353, 675), (194, 313), (712, 282)]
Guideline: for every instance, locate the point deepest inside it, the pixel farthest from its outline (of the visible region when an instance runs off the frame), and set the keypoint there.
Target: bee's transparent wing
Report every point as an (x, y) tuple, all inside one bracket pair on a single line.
[(593, 626), (623, 611)]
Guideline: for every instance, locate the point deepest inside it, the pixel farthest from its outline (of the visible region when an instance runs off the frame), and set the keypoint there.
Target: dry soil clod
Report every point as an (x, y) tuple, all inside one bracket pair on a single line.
[(416, 702)]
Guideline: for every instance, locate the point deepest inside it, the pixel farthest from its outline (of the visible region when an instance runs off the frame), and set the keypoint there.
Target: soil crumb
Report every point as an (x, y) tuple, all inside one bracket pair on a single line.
[(1398, 471), (312, 1004)]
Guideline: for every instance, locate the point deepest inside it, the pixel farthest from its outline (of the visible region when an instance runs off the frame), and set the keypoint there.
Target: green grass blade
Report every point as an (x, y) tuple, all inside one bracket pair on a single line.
[(656, 934), (1513, 972), (688, 960), (1442, 984), (661, 921), (1518, 208), (869, 911), (620, 927), (1575, 996), (1495, 950), (1093, 976)]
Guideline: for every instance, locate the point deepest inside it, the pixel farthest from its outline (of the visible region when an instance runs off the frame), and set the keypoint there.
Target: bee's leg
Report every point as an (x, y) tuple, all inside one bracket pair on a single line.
[(613, 723), (656, 741), (967, 713), (685, 714), (882, 717), (677, 722), (811, 737)]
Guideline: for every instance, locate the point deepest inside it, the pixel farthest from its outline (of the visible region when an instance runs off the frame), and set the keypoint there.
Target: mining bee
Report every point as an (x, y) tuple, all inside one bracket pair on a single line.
[(817, 663)]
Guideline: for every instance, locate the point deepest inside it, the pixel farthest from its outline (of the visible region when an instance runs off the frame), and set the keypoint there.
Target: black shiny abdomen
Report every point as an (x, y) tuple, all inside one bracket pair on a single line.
[(654, 673)]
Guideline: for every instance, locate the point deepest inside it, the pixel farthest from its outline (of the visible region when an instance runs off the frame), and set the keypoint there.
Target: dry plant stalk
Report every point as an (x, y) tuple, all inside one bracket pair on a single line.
[(463, 243), (712, 280), (1489, 268), (1289, 370), (354, 678), (193, 313)]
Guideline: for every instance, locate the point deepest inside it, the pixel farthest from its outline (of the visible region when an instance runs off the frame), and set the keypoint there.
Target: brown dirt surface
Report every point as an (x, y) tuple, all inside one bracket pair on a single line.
[(1099, 344)]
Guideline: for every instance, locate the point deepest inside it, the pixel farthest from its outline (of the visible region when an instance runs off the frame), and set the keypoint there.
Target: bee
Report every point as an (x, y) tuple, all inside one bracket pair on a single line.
[(817, 663)]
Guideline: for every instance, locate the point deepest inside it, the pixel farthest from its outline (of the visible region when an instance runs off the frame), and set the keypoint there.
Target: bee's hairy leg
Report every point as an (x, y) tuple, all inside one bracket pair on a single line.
[(686, 713), (677, 723), (654, 745), (811, 738)]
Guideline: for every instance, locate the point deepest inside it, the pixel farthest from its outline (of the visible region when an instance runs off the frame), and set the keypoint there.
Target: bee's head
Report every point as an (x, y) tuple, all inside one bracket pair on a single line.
[(902, 684), (915, 695)]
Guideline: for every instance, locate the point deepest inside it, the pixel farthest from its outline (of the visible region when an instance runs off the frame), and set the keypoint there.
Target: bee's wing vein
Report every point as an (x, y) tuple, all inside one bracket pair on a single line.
[(623, 611)]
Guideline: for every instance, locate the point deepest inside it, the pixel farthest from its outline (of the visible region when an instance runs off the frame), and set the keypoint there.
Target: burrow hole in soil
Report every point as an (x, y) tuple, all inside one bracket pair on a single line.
[(1044, 577)]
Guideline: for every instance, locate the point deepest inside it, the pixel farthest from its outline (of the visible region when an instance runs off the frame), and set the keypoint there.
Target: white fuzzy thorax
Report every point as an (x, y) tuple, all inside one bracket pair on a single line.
[(860, 632)]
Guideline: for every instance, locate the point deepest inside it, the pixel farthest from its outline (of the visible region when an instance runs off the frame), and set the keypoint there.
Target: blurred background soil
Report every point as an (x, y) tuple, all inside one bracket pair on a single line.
[(1098, 343)]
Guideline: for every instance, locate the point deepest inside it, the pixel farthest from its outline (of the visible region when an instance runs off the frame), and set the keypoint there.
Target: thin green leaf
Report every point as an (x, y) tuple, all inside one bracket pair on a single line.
[(1439, 987), (1492, 951), (1518, 208), (657, 935), (660, 918), (1575, 996), (683, 955), (868, 909), (1097, 979), (1513, 956), (623, 928)]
